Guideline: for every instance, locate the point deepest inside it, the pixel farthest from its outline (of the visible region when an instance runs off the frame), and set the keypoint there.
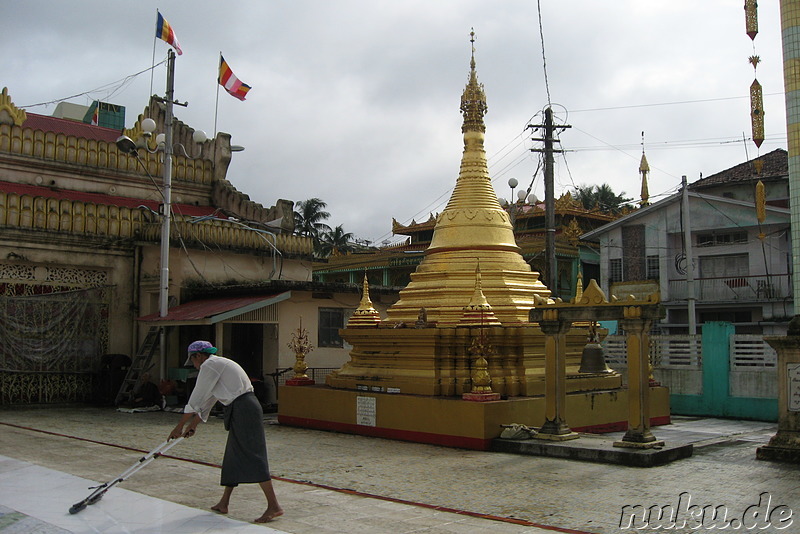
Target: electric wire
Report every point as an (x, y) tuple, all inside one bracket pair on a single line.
[(116, 85)]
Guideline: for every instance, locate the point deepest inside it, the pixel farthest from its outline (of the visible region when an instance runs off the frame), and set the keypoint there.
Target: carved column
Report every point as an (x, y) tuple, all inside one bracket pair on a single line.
[(638, 340), (555, 365)]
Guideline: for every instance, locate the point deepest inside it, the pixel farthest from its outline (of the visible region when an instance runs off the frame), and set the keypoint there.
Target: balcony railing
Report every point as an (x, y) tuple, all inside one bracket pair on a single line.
[(734, 288)]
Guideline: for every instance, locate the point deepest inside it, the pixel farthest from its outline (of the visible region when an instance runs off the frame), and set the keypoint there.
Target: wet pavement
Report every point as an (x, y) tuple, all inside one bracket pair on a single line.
[(329, 482)]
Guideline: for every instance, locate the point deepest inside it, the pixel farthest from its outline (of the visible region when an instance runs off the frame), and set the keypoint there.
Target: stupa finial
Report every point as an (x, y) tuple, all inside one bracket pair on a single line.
[(644, 170), (473, 99), (478, 312), (366, 315)]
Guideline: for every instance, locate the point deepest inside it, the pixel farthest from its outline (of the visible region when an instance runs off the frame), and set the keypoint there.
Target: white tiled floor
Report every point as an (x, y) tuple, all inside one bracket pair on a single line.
[(47, 495)]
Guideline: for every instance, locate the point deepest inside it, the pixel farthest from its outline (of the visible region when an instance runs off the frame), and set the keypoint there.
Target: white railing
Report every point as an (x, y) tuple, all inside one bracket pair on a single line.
[(682, 351), (729, 288), (675, 351), (751, 352)]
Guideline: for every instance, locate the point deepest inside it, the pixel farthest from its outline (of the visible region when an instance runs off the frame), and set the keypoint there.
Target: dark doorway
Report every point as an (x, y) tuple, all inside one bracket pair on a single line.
[(247, 344)]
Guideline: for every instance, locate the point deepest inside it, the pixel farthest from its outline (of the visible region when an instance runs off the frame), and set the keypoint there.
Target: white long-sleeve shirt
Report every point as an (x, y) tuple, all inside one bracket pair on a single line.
[(220, 379)]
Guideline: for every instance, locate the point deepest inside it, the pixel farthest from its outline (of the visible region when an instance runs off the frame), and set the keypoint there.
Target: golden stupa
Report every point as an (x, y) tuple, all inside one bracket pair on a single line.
[(456, 357), (422, 346), (472, 228)]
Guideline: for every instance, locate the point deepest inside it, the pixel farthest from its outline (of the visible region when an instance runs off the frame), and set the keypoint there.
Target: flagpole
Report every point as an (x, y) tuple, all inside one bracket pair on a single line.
[(216, 103), (152, 64)]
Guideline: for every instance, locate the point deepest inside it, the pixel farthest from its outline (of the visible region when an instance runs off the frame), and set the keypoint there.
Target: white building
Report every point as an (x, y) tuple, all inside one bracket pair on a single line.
[(742, 267)]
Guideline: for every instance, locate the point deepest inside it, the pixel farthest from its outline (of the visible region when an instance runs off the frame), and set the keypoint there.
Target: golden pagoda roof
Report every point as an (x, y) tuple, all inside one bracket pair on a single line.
[(472, 228)]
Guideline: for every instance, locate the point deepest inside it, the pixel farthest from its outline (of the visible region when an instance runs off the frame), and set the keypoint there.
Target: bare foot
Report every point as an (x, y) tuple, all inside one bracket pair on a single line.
[(269, 515), (220, 508)]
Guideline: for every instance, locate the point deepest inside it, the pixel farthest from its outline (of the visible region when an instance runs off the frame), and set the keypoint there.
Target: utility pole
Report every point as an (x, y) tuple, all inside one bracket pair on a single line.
[(166, 213), (551, 276), (691, 298)]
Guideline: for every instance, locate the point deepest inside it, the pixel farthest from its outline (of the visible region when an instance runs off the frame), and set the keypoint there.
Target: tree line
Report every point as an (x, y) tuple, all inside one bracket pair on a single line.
[(310, 216)]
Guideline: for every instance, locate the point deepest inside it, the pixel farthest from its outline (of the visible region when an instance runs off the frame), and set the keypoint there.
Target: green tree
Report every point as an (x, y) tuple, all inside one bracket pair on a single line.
[(308, 217), (601, 196), (335, 240)]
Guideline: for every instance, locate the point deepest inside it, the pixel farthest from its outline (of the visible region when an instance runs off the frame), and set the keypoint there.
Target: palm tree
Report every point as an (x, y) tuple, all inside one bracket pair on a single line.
[(335, 240), (601, 196), (308, 217)]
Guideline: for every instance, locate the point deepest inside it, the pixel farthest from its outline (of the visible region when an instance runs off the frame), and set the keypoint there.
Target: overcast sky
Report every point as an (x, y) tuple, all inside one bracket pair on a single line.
[(357, 101)]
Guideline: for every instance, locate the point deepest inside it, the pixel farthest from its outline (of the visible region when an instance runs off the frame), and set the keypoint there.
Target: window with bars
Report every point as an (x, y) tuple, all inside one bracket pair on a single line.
[(726, 265), (615, 270), (718, 239), (330, 321), (653, 268)]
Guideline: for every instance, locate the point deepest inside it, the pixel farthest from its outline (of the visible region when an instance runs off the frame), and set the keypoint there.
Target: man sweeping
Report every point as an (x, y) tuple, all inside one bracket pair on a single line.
[(245, 460)]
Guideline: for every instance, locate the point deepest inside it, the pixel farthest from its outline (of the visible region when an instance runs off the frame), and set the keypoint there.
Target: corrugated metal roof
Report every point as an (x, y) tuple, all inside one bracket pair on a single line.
[(100, 198), (211, 311), (69, 127)]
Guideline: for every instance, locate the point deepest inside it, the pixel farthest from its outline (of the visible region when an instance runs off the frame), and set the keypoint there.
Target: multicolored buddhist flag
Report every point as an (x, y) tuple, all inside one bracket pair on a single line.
[(165, 32), (231, 83)]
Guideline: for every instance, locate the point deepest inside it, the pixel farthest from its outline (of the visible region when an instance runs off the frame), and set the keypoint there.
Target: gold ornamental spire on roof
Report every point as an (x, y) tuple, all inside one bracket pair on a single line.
[(473, 99), (644, 170), (478, 312), (366, 315), (472, 227), (473, 216)]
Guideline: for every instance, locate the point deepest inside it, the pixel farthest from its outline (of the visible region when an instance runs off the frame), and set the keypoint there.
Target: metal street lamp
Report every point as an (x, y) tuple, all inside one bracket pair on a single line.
[(126, 145)]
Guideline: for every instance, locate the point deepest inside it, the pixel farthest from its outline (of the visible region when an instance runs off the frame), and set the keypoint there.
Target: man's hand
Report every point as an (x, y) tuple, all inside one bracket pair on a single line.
[(191, 428), (177, 431)]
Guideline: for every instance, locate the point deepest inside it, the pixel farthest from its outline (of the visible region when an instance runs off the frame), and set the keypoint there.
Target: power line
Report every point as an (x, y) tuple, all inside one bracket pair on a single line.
[(116, 85), (544, 58), (675, 103)]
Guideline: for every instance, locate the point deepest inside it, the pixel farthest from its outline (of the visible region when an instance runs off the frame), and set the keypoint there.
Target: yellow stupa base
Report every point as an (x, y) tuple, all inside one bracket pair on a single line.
[(436, 361), (451, 421)]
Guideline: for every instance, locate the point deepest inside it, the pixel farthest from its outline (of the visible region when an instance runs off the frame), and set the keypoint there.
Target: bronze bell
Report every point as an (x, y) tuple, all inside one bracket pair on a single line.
[(593, 359)]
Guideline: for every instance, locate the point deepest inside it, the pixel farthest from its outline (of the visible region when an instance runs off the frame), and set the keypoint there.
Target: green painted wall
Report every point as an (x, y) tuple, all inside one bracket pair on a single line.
[(716, 400)]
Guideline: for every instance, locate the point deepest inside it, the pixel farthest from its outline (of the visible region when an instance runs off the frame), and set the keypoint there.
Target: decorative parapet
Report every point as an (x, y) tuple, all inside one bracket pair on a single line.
[(74, 217), (62, 148), (9, 113), (225, 196), (231, 236), (86, 218)]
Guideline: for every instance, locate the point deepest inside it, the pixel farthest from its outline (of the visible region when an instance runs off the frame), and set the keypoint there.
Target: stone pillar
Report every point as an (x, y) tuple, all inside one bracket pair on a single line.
[(555, 370), (638, 341), (785, 444)]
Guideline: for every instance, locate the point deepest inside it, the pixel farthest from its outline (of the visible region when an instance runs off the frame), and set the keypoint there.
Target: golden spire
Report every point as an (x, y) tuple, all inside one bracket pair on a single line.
[(579, 287), (644, 170), (366, 315), (473, 227), (478, 312), (473, 216), (473, 99)]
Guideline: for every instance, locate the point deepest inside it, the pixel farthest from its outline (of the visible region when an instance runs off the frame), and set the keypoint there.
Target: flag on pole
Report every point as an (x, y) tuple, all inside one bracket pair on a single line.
[(231, 83), (165, 32)]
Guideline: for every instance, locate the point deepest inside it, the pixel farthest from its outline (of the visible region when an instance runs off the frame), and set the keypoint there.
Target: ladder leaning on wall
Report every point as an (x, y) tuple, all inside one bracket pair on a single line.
[(141, 363)]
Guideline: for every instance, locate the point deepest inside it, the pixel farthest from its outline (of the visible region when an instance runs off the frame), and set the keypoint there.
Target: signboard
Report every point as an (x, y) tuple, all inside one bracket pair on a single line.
[(793, 380), (365, 411)]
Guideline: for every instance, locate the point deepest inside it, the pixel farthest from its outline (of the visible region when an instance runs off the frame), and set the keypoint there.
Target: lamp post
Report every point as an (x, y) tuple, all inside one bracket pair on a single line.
[(126, 145)]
